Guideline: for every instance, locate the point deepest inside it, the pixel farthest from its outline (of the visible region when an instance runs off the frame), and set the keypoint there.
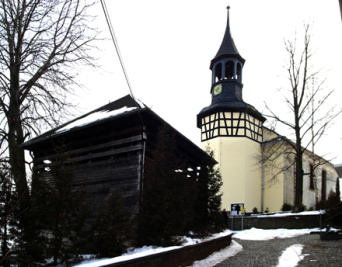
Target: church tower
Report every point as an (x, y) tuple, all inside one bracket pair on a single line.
[(232, 128)]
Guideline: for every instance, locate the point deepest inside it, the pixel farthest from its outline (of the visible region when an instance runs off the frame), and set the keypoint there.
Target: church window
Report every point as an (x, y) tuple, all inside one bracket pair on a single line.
[(324, 185), (311, 178)]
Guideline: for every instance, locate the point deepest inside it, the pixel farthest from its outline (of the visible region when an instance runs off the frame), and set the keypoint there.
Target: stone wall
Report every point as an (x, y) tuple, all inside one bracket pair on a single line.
[(184, 256), (293, 221)]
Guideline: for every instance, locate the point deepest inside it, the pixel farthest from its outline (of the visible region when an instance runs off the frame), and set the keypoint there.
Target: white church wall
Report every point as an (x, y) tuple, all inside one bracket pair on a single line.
[(241, 175)]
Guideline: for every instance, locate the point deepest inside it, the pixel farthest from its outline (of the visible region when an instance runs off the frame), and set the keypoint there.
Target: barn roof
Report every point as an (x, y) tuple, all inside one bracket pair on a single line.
[(123, 108)]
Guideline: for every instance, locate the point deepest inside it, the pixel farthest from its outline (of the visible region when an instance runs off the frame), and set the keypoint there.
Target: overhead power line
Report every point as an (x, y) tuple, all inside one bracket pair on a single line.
[(115, 42), (111, 30)]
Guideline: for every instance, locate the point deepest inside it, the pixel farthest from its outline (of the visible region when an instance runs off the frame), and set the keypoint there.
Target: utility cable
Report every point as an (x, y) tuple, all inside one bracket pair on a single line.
[(115, 42), (138, 105)]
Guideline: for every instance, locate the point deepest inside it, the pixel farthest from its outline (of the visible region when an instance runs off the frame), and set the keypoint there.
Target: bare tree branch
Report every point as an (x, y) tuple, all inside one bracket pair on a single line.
[(309, 114), (42, 44)]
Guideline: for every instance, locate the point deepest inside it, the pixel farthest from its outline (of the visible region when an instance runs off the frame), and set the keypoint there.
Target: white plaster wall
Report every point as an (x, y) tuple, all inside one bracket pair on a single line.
[(275, 188), (240, 174)]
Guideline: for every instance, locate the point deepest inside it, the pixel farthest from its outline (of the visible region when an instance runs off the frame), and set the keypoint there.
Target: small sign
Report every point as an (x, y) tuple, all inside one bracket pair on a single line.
[(237, 209)]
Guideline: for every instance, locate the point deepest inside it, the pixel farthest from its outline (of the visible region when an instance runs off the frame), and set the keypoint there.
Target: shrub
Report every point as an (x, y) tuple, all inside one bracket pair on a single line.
[(286, 207), (332, 200)]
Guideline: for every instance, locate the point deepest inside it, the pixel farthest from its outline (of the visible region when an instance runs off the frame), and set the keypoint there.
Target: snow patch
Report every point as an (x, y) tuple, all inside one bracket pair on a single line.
[(100, 115), (292, 214), (291, 256), (147, 250), (217, 257), (260, 234)]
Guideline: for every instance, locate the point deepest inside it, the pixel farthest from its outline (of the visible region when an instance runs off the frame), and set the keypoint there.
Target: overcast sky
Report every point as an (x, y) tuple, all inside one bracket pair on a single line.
[(167, 47)]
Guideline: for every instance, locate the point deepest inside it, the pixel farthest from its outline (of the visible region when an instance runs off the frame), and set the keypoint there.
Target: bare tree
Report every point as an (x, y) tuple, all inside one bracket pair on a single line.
[(306, 100), (41, 44)]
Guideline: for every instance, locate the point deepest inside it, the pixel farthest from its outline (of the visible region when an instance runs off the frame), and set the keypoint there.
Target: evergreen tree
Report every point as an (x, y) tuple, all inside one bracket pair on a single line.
[(9, 210), (58, 227), (112, 228), (333, 214), (208, 203), (164, 209)]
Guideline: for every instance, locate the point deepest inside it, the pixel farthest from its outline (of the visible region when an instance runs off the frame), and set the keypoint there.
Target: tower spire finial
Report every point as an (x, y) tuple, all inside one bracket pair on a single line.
[(227, 48), (228, 7)]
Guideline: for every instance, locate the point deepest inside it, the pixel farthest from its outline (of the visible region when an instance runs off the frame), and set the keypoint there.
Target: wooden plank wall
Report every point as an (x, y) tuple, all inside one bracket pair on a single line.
[(105, 160)]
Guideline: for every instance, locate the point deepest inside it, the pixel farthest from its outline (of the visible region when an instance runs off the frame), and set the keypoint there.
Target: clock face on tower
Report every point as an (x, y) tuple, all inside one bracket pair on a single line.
[(217, 89)]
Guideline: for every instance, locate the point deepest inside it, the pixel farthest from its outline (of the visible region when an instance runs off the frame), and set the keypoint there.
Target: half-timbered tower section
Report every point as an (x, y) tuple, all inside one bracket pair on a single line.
[(108, 148), (232, 128)]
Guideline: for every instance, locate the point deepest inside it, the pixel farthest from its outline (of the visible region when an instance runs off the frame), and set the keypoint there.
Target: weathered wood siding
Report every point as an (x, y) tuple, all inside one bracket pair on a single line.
[(106, 158), (109, 155)]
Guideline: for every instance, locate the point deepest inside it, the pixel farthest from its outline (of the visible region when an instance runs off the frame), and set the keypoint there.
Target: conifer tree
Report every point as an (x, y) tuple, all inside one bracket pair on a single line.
[(112, 228), (9, 210), (59, 213), (208, 203), (164, 210)]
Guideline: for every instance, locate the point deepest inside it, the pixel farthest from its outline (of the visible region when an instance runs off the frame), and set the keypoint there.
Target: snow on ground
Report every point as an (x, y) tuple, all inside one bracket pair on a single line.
[(291, 256), (289, 213), (146, 251), (217, 257), (260, 234)]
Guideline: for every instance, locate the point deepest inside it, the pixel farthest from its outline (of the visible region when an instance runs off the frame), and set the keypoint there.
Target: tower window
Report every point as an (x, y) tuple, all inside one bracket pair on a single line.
[(229, 70), (218, 72), (238, 72)]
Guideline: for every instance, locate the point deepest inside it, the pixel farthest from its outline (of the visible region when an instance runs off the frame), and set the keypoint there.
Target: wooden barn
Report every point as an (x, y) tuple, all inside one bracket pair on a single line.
[(109, 146)]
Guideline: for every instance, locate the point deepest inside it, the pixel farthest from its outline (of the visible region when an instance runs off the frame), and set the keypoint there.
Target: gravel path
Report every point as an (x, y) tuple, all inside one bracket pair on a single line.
[(266, 253)]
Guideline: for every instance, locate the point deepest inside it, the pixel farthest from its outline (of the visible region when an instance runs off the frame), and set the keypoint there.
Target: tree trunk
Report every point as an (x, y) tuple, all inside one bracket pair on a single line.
[(15, 139), (299, 152), (17, 161), (299, 180)]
